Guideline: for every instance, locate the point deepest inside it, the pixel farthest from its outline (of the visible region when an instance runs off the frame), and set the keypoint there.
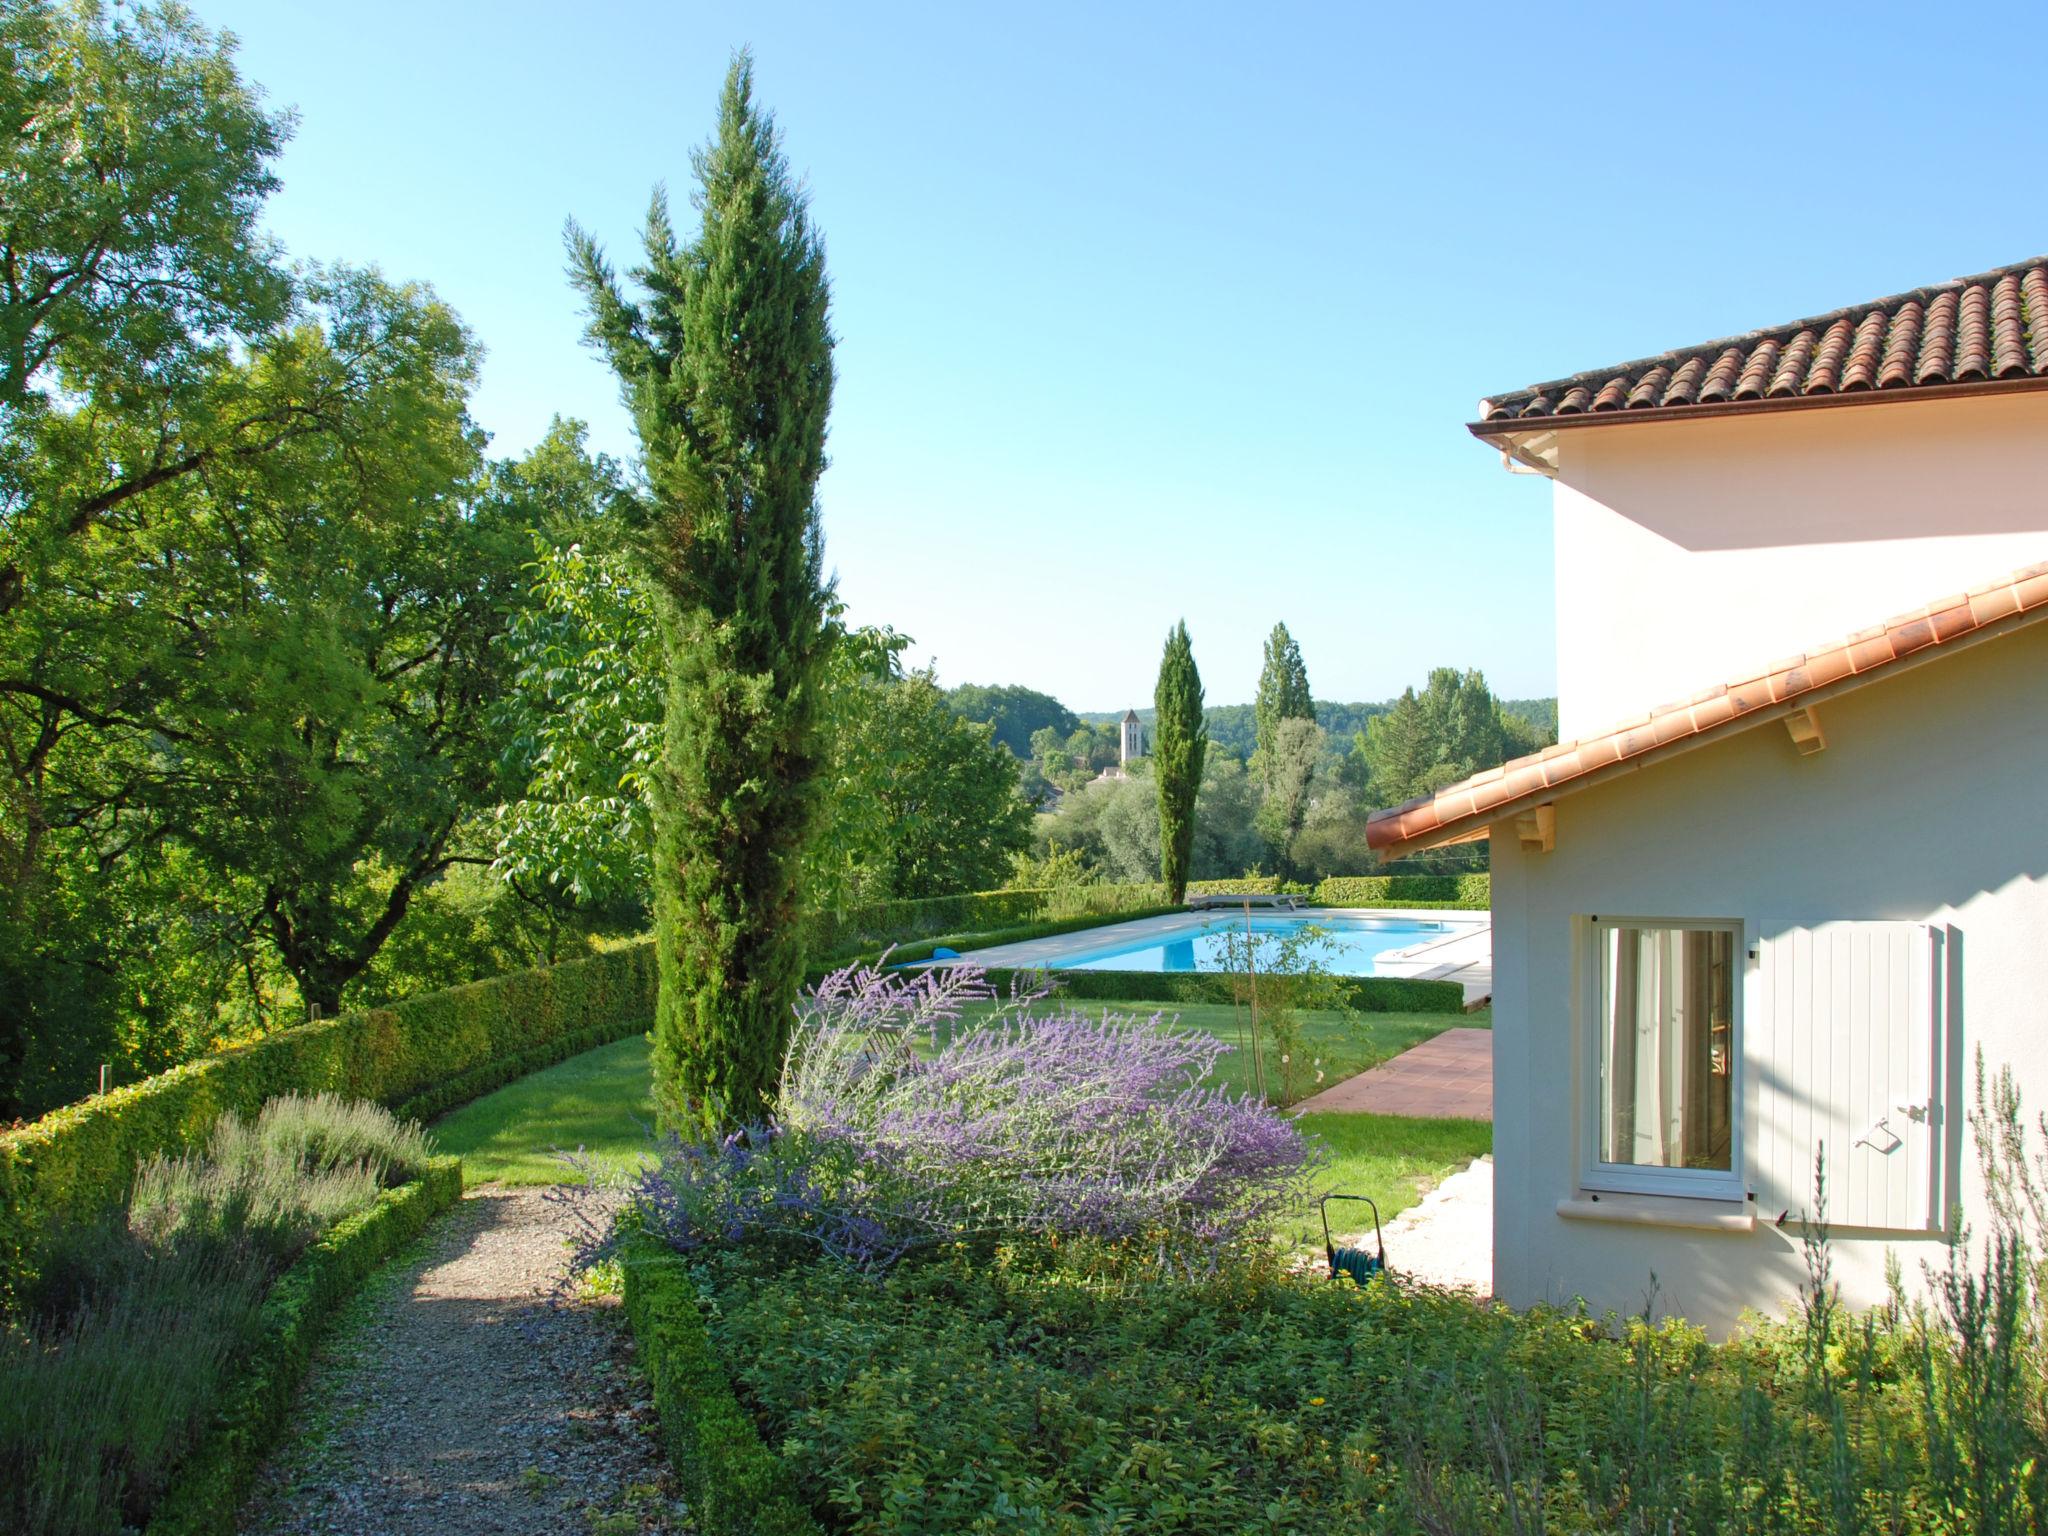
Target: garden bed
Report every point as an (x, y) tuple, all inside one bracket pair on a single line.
[(209, 1488), (1055, 1390)]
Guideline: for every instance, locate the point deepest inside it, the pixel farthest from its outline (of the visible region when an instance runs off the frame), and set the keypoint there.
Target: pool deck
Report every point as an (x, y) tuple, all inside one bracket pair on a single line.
[(1464, 955)]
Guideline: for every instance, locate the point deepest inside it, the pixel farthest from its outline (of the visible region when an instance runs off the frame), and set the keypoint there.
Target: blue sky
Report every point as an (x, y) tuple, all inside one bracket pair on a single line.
[(1152, 311)]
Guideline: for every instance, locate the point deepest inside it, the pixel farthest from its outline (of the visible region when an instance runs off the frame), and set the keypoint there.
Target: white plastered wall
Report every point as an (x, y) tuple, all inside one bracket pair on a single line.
[(1930, 804), (1690, 553)]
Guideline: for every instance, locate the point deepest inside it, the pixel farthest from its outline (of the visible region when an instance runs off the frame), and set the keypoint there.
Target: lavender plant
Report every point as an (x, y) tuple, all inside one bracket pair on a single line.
[(898, 1130)]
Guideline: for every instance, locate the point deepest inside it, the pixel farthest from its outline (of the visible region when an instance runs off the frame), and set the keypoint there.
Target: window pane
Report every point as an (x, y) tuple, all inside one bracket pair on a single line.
[(1667, 1047)]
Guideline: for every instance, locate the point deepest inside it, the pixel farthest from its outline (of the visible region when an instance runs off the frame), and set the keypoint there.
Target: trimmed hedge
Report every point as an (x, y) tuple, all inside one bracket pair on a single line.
[(842, 935), (209, 1488), (735, 1484), (1366, 994), (418, 1056), (1474, 891)]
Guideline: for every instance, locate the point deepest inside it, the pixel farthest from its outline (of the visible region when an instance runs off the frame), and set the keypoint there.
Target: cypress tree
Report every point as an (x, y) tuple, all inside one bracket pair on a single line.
[(1283, 689), (1180, 740), (725, 359)]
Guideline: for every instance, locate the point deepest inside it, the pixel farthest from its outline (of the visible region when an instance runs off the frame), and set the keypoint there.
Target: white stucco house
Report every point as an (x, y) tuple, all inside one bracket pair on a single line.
[(1782, 914)]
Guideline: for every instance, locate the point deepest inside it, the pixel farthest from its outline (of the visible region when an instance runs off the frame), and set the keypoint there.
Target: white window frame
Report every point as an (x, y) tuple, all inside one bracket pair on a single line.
[(1630, 1178)]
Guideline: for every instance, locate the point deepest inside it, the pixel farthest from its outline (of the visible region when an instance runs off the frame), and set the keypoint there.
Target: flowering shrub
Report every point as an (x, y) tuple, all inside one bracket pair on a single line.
[(899, 1130)]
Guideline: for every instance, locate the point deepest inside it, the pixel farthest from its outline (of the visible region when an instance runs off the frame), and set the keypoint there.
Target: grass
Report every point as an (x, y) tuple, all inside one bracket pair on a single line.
[(599, 1102), (1391, 1158)]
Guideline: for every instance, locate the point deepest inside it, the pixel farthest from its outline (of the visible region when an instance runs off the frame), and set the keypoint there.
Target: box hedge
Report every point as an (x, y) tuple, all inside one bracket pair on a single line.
[(208, 1490), (417, 1056), (1366, 994), (1469, 890), (735, 1484)]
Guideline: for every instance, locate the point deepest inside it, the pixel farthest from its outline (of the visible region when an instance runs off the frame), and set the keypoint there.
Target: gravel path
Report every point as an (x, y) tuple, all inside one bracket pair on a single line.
[(453, 1397)]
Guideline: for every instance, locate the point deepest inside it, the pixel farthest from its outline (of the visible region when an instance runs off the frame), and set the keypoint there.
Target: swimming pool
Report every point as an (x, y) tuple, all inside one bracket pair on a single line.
[(1350, 946)]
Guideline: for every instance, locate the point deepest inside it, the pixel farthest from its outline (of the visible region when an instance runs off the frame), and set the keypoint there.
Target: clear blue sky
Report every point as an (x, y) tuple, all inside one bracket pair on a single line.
[(1151, 311)]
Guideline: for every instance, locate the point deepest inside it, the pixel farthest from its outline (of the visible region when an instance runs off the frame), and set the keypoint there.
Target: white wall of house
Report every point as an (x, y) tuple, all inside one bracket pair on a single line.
[(1696, 552), (1929, 805)]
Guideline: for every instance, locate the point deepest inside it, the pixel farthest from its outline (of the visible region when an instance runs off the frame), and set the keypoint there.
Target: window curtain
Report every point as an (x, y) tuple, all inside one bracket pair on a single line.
[(1668, 1002)]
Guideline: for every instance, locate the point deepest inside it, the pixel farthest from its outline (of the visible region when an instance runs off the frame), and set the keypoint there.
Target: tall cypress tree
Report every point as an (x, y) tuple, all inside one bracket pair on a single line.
[(725, 359), (1283, 689), (1180, 740)]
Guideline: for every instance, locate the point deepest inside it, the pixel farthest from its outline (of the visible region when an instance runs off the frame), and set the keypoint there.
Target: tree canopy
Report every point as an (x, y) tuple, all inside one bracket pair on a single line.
[(1016, 714)]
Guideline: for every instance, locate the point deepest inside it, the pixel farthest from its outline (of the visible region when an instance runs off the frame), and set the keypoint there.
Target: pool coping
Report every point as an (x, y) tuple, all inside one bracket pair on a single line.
[(1030, 953)]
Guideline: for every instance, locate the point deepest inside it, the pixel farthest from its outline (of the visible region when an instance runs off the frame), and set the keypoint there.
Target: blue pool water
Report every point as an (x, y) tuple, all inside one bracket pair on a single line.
[(1349, 947)]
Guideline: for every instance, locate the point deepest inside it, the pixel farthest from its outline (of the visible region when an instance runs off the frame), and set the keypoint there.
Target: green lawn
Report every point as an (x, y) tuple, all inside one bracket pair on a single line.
[(599, 1101), (1391, 1158)]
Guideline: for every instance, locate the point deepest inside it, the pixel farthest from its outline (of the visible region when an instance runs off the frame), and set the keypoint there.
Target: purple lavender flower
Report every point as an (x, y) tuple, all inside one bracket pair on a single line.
[(1038, 1121)]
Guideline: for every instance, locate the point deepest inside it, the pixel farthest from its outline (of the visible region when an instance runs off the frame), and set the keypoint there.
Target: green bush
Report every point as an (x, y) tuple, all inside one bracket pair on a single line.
[(1365, 994), (435, 1049), (1468, 890), (736, 1485)]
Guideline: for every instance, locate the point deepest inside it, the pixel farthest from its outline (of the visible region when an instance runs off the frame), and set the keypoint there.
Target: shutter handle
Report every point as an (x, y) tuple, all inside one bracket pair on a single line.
[(1917, 1113)]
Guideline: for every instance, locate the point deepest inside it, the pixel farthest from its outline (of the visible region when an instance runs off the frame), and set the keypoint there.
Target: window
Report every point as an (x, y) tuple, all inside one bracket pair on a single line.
[(1665, 1100)]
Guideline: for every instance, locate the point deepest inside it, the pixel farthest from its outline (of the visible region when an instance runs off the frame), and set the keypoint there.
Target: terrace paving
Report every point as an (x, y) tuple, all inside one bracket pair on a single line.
[(1446, 1077)]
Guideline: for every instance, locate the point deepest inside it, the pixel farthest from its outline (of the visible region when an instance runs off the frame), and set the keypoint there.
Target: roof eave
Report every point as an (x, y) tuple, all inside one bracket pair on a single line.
[(1512, 435), (1479, 823)]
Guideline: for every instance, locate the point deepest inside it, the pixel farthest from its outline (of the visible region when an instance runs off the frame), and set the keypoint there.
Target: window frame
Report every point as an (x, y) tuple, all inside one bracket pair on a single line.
[(1730, 1184)]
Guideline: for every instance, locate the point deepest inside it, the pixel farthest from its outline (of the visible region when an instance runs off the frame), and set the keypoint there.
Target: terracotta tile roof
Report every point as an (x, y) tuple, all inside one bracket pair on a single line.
[(1990, 330), (1466, 810)]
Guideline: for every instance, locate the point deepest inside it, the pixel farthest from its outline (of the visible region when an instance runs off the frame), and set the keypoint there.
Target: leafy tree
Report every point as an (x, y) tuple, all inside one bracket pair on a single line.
[(1451, 729), (254, 693), (945, 792), (1017, 714), (1288, 768), (726, 361), (1283, 691), (1180, 741)]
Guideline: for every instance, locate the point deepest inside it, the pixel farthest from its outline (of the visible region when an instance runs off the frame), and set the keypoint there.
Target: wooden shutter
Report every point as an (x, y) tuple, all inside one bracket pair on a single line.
[(1842, 1032)]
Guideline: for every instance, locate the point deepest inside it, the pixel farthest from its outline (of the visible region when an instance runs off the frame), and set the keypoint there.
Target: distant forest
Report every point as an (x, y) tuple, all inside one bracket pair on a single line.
[(1233, 728)]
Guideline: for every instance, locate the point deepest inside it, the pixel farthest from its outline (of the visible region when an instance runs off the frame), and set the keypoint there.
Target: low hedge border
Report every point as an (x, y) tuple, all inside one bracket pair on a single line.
[(208, 1491), (1366, 994), (1474, 890), (735, 1484)]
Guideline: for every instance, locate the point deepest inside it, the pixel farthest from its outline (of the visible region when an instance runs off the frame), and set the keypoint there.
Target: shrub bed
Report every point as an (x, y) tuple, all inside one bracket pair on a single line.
[(209, 1489), (843, 935), (422, 1054), (1365, 994), (160, 1346), (1054, 1392)]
